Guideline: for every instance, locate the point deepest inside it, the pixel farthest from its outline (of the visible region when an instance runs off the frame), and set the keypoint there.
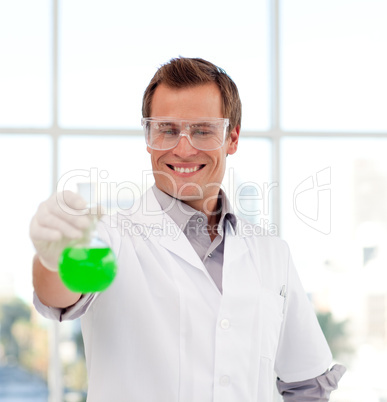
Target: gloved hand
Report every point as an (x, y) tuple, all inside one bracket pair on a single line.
[(58, 220)]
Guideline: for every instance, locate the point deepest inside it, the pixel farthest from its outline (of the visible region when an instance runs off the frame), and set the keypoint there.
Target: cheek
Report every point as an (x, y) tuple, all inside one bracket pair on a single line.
[(155, 156), (221, 159), (219, 166)]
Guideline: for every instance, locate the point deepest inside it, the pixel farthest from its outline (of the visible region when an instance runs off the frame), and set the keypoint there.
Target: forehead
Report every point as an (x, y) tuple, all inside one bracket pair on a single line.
[(190, 102)]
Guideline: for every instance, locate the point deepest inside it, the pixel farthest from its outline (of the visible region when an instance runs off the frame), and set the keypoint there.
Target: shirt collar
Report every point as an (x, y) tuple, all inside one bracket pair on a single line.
[(181, 213)]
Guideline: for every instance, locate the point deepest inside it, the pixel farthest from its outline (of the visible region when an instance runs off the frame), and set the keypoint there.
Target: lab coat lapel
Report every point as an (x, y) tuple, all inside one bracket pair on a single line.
[(165, 229), (235, 245), (181, 247), (238, 259), (240, 277)]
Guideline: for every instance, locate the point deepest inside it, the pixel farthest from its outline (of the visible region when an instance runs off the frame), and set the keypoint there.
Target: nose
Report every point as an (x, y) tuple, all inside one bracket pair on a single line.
[(184, 148)]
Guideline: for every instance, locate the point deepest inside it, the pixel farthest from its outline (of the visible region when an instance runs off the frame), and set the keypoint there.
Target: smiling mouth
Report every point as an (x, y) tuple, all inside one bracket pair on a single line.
[(181, 169)]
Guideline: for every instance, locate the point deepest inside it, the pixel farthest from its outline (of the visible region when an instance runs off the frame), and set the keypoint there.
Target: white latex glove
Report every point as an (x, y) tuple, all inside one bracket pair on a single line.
[(58, 220)]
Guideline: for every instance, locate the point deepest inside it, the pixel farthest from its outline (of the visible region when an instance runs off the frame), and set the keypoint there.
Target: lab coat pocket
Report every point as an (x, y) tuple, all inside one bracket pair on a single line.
[(272, 311)]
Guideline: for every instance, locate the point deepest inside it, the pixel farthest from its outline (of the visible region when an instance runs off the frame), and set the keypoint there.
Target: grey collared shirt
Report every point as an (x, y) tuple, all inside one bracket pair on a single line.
[(194, 224)]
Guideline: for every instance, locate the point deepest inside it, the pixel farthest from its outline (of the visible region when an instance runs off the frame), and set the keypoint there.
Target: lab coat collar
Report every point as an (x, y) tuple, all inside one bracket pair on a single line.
[(148, 212), (181, 213), (160, 227)]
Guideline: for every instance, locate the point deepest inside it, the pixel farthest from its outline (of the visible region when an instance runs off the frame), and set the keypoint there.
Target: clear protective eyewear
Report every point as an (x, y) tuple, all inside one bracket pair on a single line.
[(204, 134)]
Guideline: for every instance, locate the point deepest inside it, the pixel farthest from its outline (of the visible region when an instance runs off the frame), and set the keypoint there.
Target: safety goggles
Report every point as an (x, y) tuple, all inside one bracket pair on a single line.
[(205, 134)]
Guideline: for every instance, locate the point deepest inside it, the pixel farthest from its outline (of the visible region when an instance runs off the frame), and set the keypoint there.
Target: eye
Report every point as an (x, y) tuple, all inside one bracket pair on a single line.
[(203, 130), (167, 129)]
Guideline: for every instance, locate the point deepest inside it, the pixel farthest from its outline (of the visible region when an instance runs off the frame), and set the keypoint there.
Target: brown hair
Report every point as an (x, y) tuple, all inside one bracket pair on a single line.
[(186, 72)]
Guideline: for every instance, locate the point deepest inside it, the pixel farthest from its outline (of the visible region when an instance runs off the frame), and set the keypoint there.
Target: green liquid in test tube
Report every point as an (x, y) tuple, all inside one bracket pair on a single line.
[(88, 265)]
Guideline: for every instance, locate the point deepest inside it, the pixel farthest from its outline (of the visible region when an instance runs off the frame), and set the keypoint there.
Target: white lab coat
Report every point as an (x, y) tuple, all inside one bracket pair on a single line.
[(163, 332)]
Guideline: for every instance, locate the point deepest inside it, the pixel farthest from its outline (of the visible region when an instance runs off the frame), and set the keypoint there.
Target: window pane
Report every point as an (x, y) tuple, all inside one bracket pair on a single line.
[(25, 180), (106, 64), (333, 71), (334, 215), (120, 165), (25, 68)]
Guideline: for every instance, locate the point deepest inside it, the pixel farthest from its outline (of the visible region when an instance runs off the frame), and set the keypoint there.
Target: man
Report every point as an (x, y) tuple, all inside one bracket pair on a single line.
[(200, 310)]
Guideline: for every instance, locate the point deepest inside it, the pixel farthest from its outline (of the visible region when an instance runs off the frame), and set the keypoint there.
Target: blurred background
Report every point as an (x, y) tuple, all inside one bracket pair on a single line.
[(310, 167)]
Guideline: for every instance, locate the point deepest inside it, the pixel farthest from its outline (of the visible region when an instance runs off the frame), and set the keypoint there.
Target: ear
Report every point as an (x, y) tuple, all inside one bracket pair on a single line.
[(148, 149), (233, 140)]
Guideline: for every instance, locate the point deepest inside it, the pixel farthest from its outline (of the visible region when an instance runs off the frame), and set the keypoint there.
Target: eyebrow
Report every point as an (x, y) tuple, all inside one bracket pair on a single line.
[(192, 123), (166, 123), (205, 123)]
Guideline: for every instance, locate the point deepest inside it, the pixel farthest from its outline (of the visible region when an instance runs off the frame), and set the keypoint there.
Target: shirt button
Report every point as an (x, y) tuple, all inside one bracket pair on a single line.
[(199, 220), (225, 324), (225, 380)]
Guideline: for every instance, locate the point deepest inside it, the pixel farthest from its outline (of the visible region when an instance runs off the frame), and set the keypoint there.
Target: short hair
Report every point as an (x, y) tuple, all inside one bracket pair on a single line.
[(185, 72)]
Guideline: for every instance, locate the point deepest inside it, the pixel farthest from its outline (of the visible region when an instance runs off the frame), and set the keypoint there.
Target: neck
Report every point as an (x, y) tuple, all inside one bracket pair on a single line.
[(211, 207)]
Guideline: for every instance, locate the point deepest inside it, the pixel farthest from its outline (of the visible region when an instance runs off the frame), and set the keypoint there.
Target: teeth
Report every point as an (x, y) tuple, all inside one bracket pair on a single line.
[(186, 170)]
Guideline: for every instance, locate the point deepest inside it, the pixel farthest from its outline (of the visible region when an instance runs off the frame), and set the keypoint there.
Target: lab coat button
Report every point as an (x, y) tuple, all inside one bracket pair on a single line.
[(199, 220), (225, 380), (210, 255), (225, 324)]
